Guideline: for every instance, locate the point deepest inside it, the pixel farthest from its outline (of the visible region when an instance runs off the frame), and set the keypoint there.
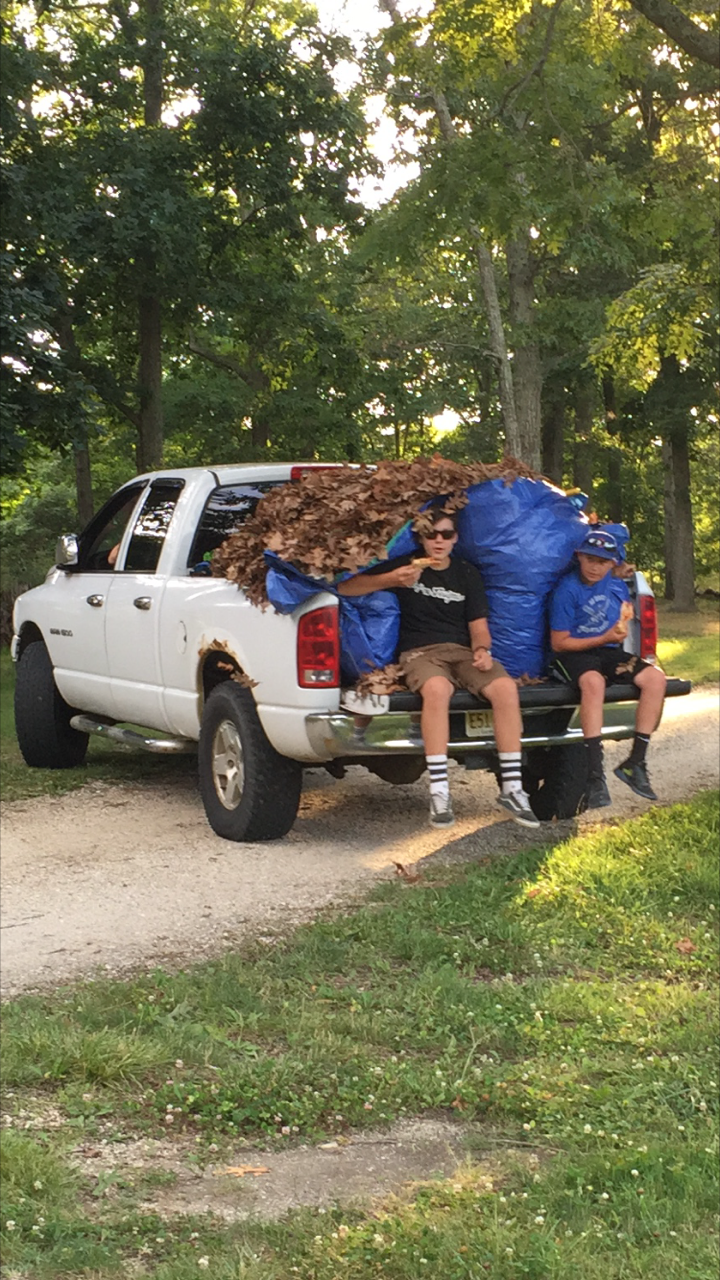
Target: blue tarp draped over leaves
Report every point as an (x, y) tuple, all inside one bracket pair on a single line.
[(521, 536)]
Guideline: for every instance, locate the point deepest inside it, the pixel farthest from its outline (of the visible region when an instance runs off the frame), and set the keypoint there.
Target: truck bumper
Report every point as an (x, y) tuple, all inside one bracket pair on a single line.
[(333, 735), (551, 717)]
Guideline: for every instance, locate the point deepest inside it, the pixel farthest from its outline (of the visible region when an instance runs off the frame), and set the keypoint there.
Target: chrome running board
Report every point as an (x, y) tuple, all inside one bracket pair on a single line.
[(131, 738)]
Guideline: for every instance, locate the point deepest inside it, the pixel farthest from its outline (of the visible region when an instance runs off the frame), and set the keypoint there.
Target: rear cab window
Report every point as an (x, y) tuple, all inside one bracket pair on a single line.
[(225, 511)]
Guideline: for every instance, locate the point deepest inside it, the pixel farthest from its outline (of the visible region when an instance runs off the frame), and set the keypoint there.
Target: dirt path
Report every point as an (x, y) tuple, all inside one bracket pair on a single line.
[(117, 876)]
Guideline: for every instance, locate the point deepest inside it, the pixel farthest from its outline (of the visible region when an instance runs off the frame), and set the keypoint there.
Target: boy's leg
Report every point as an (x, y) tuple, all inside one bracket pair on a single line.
[(500, 690), (436, 693), (651, 682), (592, 699), (427, 673)]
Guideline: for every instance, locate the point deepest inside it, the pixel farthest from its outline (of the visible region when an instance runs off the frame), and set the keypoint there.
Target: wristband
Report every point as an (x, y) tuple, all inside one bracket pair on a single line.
[(484, 649)]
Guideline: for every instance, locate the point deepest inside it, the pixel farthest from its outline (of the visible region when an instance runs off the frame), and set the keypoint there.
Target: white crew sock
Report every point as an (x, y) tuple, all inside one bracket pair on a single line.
[(438, 770), (510, 771)]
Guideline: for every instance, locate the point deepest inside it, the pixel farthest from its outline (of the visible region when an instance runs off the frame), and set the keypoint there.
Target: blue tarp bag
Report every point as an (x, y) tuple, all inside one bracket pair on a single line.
[(522, 537), (369, 625)]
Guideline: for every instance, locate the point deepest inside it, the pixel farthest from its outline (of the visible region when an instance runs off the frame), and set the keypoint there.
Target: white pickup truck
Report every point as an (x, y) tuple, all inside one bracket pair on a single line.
[(130, 629)]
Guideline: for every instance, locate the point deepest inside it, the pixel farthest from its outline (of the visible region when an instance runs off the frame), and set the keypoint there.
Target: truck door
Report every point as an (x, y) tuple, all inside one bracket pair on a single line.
[(75, 626), (132, 621)]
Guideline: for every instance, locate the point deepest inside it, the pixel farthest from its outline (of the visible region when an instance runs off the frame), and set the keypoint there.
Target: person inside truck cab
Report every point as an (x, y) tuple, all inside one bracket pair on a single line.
[(588, 609), (445, 645)]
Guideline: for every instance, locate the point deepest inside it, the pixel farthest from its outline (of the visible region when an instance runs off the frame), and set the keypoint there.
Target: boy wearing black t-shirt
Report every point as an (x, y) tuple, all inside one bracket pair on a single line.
[(444, 645)]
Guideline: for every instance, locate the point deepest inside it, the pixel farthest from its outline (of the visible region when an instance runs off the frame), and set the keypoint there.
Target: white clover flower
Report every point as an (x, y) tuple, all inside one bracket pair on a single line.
[(179, 1064), (604, 1196), (587, 1128), (539, 1220), (204, 1262), (634, 1173)]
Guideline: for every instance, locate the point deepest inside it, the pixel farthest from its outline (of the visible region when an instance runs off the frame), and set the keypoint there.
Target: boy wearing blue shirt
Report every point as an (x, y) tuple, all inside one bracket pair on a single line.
[(587, 629)]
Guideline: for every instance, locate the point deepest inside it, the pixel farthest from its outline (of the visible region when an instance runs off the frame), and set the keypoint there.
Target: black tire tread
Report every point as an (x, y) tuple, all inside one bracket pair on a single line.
[(42, 716), (562, 794), (272, 784)]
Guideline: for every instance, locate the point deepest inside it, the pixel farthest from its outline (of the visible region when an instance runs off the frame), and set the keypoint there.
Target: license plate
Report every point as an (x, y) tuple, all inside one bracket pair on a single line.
[(477, 723)]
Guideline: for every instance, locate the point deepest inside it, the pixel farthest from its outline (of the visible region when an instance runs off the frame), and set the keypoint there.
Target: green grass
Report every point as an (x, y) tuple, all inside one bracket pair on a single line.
[(563, 998), (689, 644), (689, 648)]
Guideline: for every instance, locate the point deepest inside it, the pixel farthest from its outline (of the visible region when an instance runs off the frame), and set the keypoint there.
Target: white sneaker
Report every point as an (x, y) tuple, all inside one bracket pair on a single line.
[(441, 811), (518, 806)]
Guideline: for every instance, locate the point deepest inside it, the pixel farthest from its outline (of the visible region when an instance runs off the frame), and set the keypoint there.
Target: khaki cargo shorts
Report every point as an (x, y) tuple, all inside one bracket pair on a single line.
[(454, 661)]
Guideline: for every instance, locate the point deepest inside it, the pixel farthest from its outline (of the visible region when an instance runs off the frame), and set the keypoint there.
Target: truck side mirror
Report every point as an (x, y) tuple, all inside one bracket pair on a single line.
[(66, 551)]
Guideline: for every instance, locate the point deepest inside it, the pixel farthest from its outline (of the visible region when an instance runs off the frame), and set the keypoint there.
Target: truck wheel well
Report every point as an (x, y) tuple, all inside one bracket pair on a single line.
[(29, 635), (217, 668)]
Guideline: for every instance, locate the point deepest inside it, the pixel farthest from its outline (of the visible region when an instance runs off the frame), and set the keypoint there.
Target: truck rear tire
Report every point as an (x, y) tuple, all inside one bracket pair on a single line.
[(42, 716), (556, 781), (249, 791)]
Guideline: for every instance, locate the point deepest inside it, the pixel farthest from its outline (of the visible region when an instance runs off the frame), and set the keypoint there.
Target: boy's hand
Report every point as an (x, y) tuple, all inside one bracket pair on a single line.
[(616, 634), (406, 576), (482, 659)]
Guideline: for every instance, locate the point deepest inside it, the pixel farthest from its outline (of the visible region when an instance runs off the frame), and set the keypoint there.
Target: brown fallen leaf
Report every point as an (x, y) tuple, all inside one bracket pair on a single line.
[(405, 873), (533, 893), (239, 1170), (685, 946), (245, 681)]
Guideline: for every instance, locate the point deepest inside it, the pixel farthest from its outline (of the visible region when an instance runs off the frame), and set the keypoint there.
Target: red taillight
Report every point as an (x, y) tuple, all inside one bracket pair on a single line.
[(318, 649), (648, 627)]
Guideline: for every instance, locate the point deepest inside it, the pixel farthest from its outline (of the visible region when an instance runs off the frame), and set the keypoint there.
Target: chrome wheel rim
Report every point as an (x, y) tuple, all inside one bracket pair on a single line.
[(227, 765)]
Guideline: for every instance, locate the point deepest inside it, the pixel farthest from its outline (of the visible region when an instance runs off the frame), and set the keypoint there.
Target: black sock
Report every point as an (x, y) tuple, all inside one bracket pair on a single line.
[(595, 757), (640, 746)]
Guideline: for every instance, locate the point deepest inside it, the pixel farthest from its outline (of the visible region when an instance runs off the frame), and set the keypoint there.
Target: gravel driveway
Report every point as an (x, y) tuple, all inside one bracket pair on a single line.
[(112, 877)]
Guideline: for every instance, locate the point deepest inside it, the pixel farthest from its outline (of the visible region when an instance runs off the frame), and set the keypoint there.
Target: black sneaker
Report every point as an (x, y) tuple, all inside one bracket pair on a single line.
[(441, 811), (518, 806), (636, 778), (597, 795)]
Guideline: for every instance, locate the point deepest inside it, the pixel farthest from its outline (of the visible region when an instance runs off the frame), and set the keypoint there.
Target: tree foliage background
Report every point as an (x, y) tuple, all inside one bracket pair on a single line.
[(190, 274)]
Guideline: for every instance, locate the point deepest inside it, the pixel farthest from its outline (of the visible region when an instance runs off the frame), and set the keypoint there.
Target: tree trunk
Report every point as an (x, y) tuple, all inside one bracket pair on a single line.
[(83, 483), (527, 371), (486, 275), (150, 428), (553, 432), (679, 539), (583, 459), (668, 518), (614, 489)]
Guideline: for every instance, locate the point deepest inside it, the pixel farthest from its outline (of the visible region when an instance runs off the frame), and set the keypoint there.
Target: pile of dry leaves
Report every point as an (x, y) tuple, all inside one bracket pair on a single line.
[(338, 520)]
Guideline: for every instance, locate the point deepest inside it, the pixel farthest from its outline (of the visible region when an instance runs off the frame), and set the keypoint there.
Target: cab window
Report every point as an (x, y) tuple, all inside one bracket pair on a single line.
[(103, 535), (151, 527)]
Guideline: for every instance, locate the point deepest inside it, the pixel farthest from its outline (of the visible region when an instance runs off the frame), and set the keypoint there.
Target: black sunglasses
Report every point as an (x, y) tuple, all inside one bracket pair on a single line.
[(447, 534)]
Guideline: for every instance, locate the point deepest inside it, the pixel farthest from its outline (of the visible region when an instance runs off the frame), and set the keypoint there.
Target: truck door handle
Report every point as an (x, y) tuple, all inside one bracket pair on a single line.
[(96, 601), (142, 602)]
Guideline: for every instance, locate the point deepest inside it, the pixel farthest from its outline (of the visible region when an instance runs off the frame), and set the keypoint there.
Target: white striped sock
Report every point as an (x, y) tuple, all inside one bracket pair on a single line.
[(510, 771), (438, 769)]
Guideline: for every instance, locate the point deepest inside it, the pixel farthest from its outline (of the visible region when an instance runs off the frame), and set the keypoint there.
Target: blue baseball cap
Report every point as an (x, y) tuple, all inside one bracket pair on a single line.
[(600, 544)]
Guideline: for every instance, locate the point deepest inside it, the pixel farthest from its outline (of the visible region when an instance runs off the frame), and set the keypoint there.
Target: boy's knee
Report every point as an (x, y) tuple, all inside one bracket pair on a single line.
[(592, 685), (436, 689)]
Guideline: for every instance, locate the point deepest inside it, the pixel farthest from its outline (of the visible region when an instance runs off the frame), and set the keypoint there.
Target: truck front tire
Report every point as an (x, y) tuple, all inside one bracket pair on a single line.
[(556, 781), (249, 791), (42, 716)]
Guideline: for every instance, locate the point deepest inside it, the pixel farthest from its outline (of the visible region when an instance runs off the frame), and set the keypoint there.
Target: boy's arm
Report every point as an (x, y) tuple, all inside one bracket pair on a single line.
[(365, 583), (563, 642), (480, 643)]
